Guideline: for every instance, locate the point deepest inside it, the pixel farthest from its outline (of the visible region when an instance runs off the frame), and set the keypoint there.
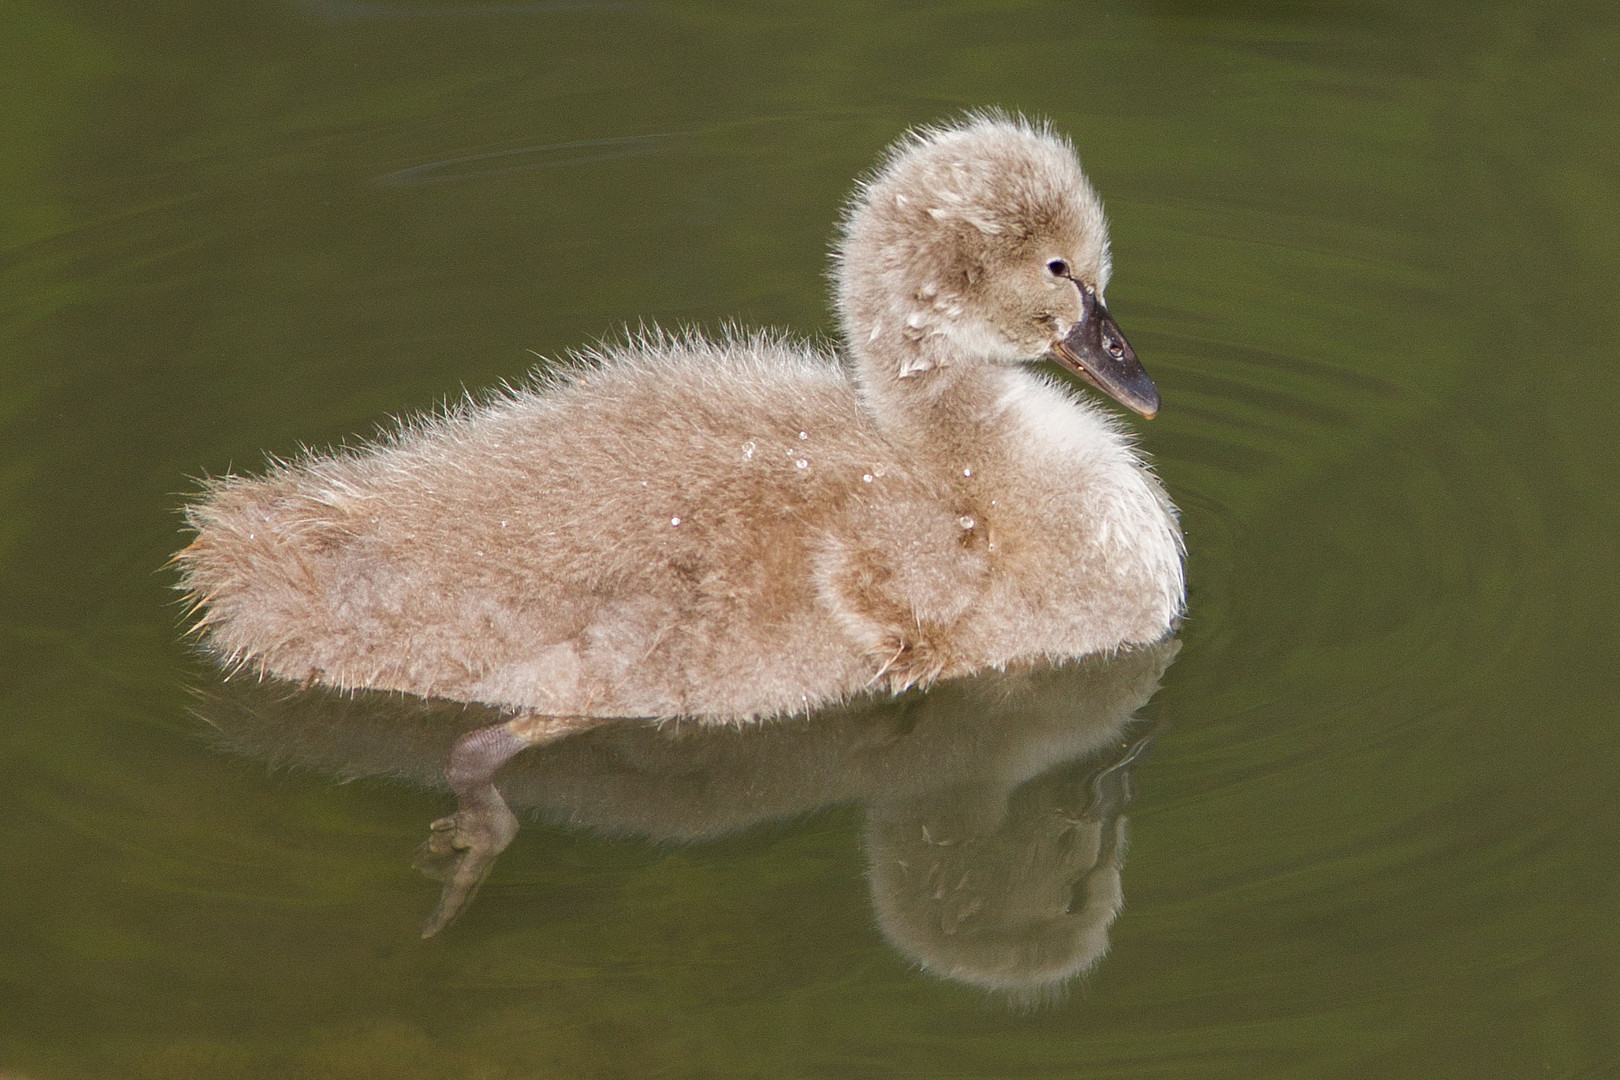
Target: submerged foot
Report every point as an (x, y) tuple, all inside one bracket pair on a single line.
[(460, 851)]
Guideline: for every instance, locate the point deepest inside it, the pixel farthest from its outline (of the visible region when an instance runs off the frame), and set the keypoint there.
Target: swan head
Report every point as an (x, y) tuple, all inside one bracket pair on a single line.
[(982, 242)]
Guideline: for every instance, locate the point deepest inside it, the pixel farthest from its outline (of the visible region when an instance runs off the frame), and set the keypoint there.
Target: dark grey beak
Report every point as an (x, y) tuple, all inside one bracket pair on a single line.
[(1096, 351)]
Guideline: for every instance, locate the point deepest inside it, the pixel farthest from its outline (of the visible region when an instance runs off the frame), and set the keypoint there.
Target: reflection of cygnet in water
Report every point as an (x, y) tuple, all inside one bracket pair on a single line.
[(1006, 874), (993, 801), (1010, 891)]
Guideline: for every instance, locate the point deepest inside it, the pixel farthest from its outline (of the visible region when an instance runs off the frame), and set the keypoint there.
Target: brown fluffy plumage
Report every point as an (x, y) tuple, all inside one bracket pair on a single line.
[(747, 527)]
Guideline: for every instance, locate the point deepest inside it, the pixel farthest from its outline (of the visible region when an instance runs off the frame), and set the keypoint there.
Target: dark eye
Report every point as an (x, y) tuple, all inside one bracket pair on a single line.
[(1058, 268)]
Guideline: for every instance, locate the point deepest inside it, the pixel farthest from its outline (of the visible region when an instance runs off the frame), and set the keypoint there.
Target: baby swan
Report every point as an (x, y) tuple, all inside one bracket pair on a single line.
[(738, 529)]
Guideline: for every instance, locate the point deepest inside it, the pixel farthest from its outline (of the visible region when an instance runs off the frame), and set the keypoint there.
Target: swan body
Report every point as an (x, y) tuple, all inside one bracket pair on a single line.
[(736, 529), (747, 527)]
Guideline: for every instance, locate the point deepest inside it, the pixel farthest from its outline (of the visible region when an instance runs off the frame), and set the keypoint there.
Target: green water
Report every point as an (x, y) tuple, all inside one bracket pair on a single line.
[(1369, 255)]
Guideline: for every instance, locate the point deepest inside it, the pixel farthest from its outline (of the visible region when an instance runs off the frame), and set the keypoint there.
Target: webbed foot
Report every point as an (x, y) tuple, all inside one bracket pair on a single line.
[(460, 851)]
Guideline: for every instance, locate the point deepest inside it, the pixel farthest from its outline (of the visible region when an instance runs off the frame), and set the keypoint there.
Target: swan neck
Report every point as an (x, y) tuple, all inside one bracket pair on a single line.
[(925, 405)]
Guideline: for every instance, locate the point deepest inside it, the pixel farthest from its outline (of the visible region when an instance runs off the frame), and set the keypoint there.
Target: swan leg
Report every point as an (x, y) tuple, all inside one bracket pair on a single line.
[(460, 849)]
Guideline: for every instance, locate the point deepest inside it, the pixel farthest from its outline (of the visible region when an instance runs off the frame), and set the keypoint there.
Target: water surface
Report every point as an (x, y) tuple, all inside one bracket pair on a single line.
[(1368, 255)]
